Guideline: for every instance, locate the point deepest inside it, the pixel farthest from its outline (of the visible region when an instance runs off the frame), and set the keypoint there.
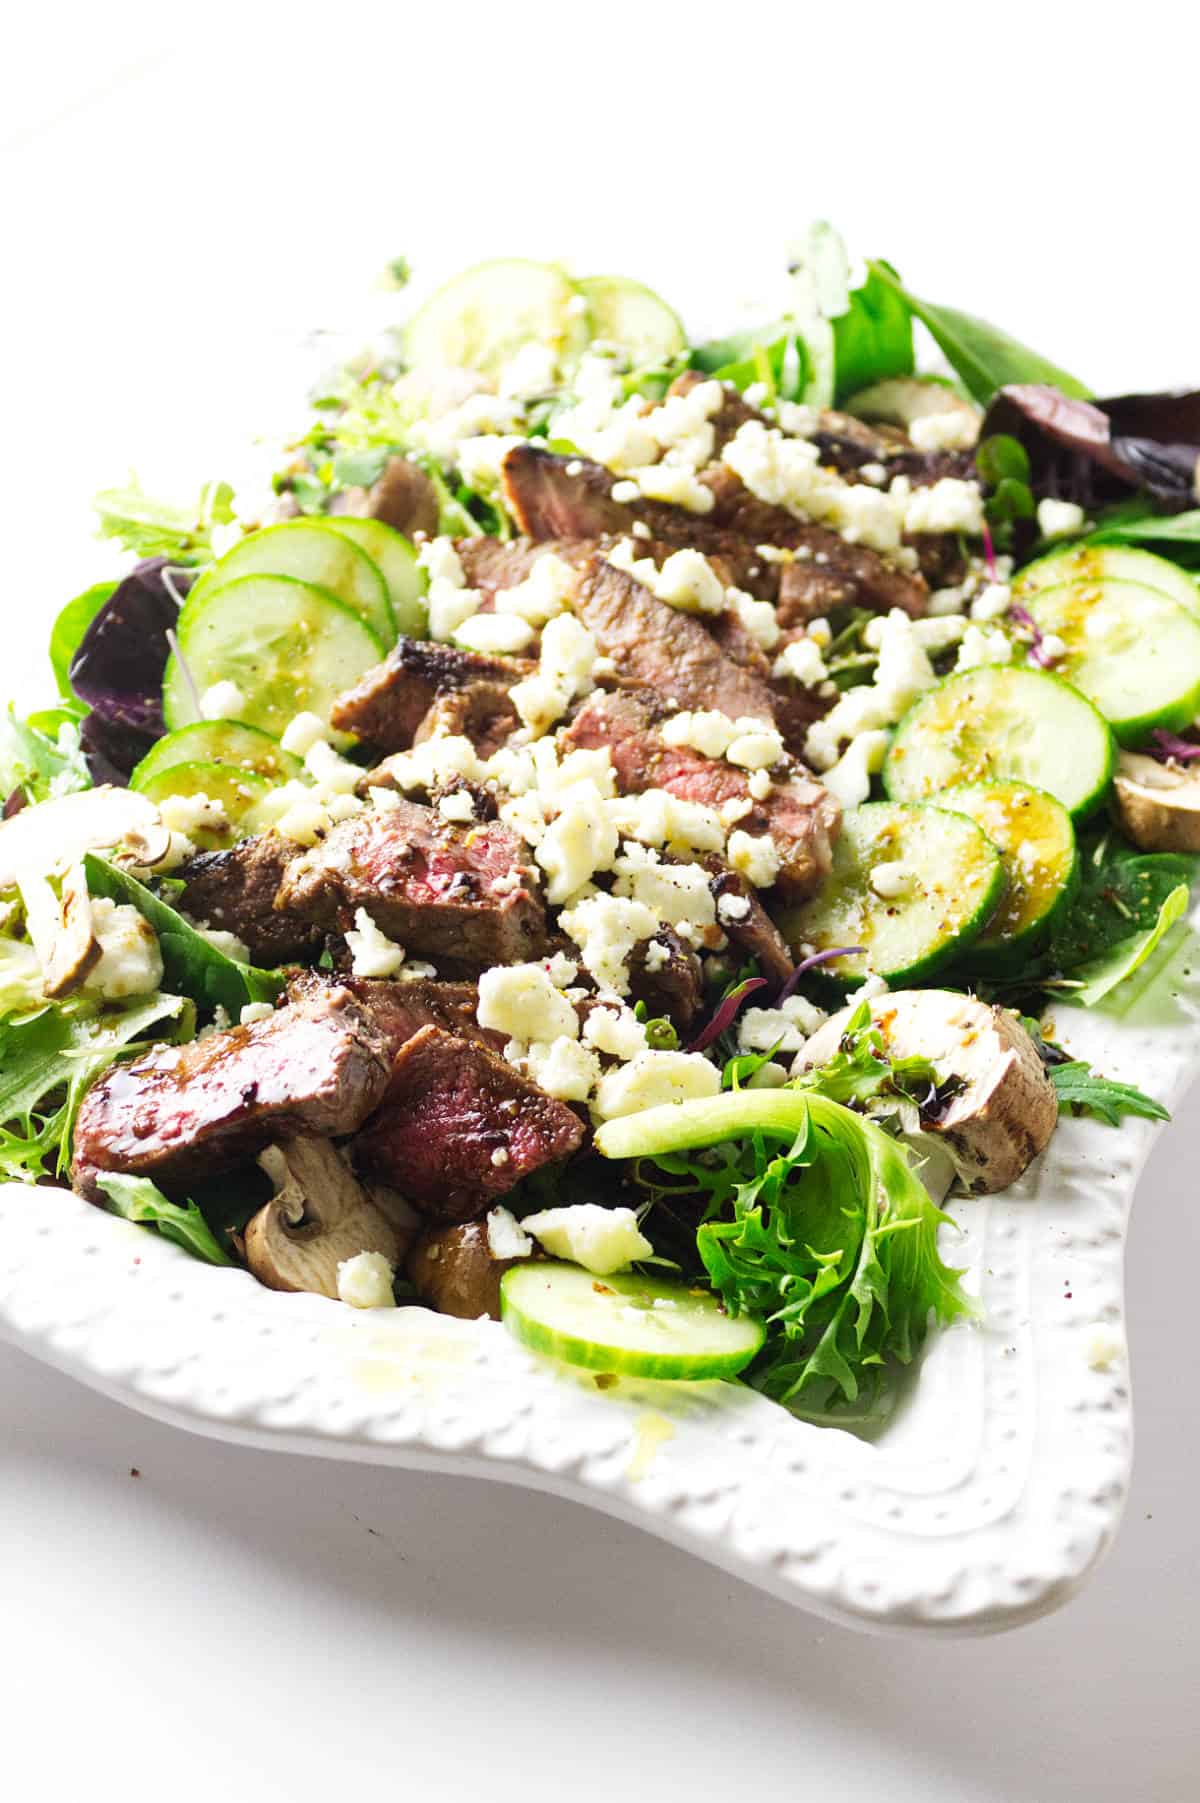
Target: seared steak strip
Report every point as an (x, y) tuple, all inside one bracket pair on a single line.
[(753, 932), (801, 816), (458, 1126), (387, 705), (480, 711), (318, 1065), (665, 650), (403, 498), (674, 988), (235, 890), (442, 891)]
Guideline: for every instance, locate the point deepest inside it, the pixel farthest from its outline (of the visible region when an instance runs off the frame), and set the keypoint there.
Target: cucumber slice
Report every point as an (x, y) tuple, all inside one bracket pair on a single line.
[(311, 552), (1002, 722), (397, 563), (481, 318), (1131, 650), (1099, 563), (238, 791), (219, 742), (613, 1323), (953, 880), (625, 313), (1036, 841), (290, 648)]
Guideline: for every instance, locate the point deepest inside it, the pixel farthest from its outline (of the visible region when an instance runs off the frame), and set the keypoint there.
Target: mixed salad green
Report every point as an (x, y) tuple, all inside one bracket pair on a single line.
[(1006, 752)]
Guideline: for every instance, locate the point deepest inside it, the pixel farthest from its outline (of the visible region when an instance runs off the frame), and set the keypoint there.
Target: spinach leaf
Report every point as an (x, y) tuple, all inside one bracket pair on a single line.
[(872, 339), (981, 354), (190, 964), (137, 1199), (1120, 896), (1099, 975), (1135, 523)]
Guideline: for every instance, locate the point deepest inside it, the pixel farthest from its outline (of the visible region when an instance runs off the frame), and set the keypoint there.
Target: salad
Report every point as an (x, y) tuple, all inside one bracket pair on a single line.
[(595, 844)]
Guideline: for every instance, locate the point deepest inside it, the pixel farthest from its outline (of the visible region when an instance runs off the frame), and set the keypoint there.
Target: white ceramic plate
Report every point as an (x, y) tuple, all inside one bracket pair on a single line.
[(985, 1502)]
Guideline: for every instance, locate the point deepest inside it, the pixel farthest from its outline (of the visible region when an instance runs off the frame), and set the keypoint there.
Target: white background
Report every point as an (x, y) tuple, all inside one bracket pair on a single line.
[(181, 200)]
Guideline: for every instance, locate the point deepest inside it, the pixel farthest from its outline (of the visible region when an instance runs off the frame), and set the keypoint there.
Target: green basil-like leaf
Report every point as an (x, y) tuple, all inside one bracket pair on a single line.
[(985, 357), (1080, 1089), (1100, 975), (872, 339), (137, 1199), (191, 965)]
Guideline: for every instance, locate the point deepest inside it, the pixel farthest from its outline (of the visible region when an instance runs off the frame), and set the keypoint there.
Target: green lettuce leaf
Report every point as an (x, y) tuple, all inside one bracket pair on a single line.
[(831, 1237), (38, 765), (190, 964), (1094, 979), (984, 357), (137, 1199), (152, 528)]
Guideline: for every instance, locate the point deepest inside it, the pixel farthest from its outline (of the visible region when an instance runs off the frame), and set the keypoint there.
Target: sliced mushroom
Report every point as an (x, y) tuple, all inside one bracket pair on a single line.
[(1158, 804), (56, 833), (74, 950), (320, 1214), (454, 1270), (144, 846), (1006, 1109), (903, 399)]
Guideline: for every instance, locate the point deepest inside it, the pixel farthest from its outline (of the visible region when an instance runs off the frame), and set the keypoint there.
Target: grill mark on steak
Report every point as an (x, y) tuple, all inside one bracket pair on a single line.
[(802, 817), (398, 1011), (665, 650), (480, 711), (676, 987), (235, 890), (318, 1065), (442, 891), (458, 1126), (387, 705), (756, 933)]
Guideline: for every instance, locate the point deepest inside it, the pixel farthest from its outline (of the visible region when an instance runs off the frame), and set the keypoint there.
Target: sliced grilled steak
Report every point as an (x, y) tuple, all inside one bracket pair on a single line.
[(387, 706), (442, 891), (398, 1011), (801, 816), (235, 890), (459, 1126), (318, 1065), (753, 932), (739, 644), (561, 497), (664, 650), (674, 988), (403, 498), (492, 564), (480, 711), (453, 1271)]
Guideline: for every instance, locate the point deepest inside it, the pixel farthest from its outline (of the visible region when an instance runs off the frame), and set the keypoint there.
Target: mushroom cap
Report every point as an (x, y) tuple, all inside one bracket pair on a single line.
[(1007, 1108), (902, 399), (319, 1216), (1158, 804), (453, 1270)]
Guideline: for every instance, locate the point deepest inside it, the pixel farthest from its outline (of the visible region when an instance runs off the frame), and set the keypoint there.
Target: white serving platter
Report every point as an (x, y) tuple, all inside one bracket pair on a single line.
[(986, 1500)]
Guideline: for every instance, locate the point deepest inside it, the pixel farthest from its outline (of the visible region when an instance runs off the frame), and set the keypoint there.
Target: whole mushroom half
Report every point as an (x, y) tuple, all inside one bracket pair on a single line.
[(1003, 1114), (319, 1216), (1158, 804), (902, 400)]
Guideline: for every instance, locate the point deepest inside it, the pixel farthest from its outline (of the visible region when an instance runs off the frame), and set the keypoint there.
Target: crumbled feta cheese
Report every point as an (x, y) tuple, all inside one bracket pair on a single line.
[(733, 908), (992, 602), (654, 1078), (955, 430), (606, 928), (223, 701), (333, 775), (374, 954), (616, 1031), (130, 962), (449, 608), (802, 661), (578, 843), (302, 732), (481, 460), (521, 1001), (1060, 519), (758, 617), (255, 1011), (533, 370), (756, 858), (979, 647), (221, 941), (495, 634), (544, 592), (565, 1069), (759, 783), (1053, 649), (458, 806), (755, 750), (656, 817), (506, 1237), (192, 814), (707, 731), (675, 484), (850, 777), (688, 582), (891, 880), (365, 1281), (948, 505), (435, 761), (602, 1240), (677, 893), (441, 562), (903, 672)]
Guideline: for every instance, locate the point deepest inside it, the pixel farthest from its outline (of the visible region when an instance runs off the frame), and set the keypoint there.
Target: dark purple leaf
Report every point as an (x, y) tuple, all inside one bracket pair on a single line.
[(1168, 745), (111, 749), (811, 963), (725, 1013), (118, 668), (1093, 452)]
